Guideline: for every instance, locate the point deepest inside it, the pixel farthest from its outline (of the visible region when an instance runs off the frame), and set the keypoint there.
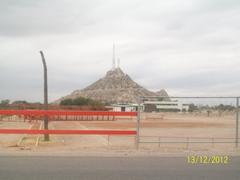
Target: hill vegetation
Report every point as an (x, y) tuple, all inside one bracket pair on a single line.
[(81, 101)]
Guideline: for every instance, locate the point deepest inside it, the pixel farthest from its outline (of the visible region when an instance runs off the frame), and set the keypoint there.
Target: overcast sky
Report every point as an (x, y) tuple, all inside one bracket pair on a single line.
[(187, 47)]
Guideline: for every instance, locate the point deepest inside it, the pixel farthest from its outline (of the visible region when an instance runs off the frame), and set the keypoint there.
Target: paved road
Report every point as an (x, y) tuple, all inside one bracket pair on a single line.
[(106, 168)]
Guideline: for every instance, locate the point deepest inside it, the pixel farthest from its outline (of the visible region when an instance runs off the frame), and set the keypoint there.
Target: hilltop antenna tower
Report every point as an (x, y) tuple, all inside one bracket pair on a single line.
[(114, 60), (118, 62)]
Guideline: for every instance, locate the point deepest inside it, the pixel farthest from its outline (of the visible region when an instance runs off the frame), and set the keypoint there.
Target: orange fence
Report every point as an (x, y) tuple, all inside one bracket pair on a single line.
[(62, 113), (67, 115), (86, 132), (51, 113)]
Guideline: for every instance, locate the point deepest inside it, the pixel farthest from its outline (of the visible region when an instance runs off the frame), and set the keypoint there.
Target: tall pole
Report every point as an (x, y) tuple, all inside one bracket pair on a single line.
[(237, 119), (46, 136), (114, 60), (138, 123), (118, 63)]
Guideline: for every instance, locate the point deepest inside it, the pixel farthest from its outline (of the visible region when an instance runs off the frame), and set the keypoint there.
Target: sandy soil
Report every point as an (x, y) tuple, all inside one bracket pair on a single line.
[(154, 127)]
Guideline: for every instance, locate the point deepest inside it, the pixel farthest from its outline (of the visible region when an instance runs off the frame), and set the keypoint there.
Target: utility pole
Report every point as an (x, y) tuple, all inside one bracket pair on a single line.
[(237, 119), (46, 136)]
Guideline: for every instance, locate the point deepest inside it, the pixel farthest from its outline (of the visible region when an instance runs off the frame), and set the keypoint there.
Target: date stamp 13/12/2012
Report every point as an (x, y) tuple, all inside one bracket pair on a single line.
[(205, 159)]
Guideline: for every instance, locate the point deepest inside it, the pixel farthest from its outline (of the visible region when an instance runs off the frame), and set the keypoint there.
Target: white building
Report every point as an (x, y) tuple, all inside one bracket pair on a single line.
[(125, 107), (159, 106)]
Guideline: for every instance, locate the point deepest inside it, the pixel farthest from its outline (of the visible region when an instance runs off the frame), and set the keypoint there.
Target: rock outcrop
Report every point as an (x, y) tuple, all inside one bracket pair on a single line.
[(115, 87)]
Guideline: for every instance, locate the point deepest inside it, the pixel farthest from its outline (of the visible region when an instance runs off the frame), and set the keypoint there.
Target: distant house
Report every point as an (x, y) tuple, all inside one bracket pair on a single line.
[(125, 107), (158, 106)]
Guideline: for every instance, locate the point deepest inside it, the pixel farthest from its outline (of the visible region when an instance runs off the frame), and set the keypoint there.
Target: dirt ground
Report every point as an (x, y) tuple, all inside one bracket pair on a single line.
[(161, 133)]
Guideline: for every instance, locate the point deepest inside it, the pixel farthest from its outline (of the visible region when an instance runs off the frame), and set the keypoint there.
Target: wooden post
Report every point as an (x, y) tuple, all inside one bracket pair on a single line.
[(46, 136)]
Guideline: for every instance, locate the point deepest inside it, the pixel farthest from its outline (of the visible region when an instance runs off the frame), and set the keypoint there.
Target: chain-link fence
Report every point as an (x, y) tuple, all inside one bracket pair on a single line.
[(188, 121)]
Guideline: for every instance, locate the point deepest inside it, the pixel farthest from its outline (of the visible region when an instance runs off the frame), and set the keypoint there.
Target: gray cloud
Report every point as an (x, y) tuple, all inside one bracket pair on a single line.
[(189, 47)]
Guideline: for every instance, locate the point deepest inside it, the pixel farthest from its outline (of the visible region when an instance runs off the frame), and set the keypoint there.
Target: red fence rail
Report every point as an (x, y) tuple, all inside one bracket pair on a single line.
[(51, 113), (86, 132), (65, 113)]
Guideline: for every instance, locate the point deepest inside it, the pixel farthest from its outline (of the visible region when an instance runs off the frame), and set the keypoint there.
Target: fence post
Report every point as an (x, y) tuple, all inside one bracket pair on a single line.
[(138, 123), (159, 142), (237, 118), (108, 139)]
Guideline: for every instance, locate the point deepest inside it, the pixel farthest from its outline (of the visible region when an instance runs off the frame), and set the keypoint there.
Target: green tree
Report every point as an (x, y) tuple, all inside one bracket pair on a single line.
[(81, 101), (66, 102), (20, 102), (192, 108), (5, 102)]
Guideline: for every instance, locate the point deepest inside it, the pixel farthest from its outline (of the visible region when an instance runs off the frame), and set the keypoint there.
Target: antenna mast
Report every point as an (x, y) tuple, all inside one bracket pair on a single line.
[(114, 63), (118, 62)]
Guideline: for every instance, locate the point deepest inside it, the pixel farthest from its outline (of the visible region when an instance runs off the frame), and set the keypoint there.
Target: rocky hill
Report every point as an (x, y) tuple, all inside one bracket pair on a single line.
[(162, 93), (115, 87)]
